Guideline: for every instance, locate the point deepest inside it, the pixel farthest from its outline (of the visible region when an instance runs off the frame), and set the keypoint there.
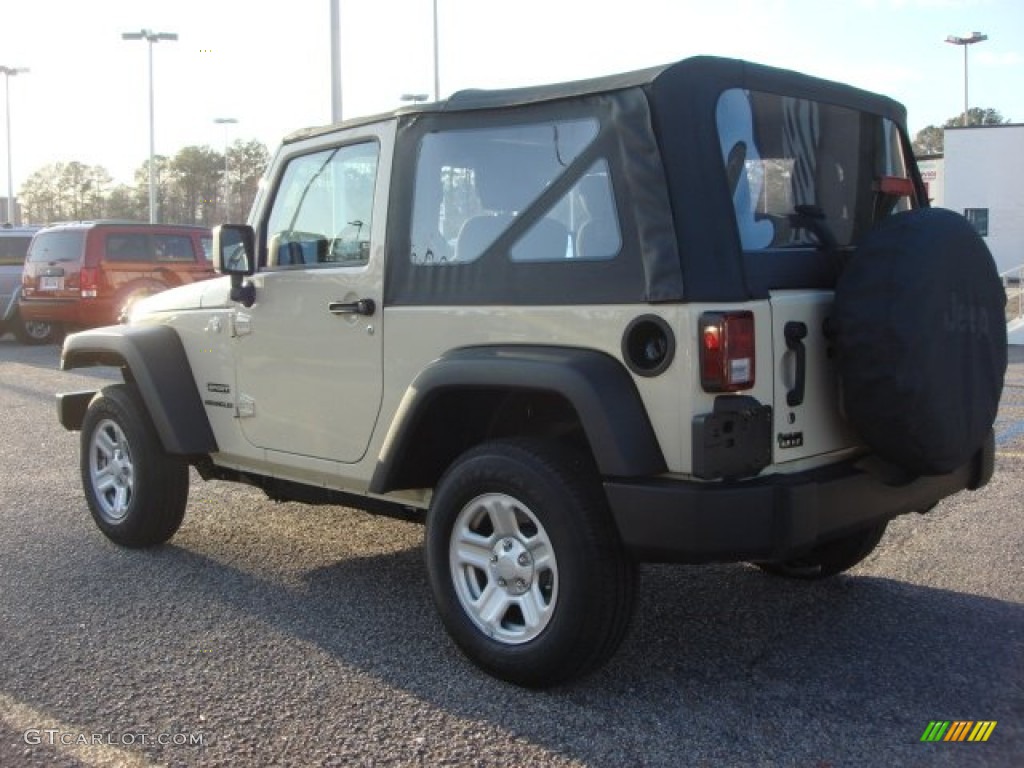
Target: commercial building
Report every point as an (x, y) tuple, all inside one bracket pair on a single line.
[(981, 175)]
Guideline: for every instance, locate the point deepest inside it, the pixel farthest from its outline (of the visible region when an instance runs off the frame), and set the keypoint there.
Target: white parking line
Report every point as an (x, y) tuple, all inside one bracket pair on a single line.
[(78, 743)]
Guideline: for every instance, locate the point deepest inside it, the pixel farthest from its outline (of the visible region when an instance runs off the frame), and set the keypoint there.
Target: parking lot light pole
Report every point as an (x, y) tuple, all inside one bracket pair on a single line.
[(437, 57), (12, 212), (151, 37), (335, 25), (976, 37), (226, 121)]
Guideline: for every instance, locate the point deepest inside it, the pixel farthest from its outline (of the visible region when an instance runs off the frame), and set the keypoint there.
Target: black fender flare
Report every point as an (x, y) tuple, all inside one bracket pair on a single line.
[(155, 360), (597, 385)]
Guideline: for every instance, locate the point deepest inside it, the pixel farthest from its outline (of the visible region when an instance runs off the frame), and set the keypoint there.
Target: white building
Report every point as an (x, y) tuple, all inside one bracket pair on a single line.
[(984, 180)]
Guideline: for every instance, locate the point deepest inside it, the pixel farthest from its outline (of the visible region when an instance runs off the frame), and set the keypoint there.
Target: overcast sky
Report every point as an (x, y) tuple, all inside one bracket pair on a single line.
[(267, 64)]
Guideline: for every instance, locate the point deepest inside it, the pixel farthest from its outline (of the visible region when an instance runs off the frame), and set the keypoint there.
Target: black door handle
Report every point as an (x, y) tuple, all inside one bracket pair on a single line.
[(364, 307), (795, 333)]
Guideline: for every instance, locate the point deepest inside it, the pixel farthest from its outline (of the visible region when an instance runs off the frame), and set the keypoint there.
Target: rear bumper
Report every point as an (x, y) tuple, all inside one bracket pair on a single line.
[(85, 313), (776, 517)]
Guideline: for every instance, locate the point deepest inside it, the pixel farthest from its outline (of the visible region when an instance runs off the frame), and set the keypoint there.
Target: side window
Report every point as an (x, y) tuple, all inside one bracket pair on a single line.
[(472, 185), (323, 208), (13, 250), (128, 246), (591, 219), (173, 248)]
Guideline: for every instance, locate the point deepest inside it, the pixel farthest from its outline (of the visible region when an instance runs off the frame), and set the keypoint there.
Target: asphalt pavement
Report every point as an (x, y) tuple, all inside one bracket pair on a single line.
[(280, 634)]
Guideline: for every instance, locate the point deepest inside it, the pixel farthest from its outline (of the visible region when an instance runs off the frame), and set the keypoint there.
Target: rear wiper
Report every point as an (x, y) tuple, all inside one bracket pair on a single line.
[(812, 218)]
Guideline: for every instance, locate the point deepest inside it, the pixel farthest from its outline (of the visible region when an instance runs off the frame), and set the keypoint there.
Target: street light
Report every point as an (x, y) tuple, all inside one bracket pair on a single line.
[(437, 69), (415, 98), (12, 212), (150, 37), (335, 26), (976, 37), (226, 121)]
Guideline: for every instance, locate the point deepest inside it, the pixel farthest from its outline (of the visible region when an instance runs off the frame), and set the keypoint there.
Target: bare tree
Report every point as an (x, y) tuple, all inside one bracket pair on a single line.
[(247, 162), (189, 188), (197, 173), (123, 202), (38, 196)]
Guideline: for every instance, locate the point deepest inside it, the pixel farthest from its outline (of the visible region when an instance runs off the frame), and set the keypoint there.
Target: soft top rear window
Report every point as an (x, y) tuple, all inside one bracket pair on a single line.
[(788, 157), (57, 246)]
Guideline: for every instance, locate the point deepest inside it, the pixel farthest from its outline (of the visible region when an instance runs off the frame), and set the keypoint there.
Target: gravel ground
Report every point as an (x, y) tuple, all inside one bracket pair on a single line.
[(278, 634)]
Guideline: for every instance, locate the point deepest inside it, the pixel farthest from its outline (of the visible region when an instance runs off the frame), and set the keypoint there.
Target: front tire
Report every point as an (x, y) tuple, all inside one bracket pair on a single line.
[(135, 490), (526, 566)]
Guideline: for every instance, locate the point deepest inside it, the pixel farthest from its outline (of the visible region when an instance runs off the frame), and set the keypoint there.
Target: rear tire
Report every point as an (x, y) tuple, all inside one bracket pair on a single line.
[(34, 332), (136, 491), (831, 558), (526, 566)]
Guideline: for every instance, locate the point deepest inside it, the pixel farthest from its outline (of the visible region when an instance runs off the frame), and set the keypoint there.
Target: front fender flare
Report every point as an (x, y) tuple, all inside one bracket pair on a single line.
[(597, 385), (156, 361)]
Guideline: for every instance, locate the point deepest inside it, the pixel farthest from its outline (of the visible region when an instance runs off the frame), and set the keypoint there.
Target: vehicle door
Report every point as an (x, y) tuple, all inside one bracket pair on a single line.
[(13, 248), (309, 349), (804, 177), (128, 261)]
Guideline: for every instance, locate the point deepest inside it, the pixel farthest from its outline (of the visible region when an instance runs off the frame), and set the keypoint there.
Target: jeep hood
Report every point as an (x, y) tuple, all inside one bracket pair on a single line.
[(202, 295)]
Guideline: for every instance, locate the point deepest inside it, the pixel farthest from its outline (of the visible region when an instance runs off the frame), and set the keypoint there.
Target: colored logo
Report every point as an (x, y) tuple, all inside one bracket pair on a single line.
[(958, 730)]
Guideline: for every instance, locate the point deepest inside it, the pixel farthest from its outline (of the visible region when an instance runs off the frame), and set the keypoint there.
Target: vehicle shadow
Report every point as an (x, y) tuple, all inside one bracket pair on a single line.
[(46, 357), (721, 659)]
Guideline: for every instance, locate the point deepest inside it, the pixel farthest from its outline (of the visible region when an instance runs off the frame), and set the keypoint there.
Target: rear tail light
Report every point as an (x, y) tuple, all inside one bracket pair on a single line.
[(88, 282), (727, 351)]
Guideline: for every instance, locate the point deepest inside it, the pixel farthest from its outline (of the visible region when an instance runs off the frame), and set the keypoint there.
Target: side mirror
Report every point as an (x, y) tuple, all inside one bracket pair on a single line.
[(234, 254), (234, 249)]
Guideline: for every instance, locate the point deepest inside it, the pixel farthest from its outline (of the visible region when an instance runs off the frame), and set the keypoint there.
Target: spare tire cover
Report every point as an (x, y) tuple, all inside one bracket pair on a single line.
[(921, 340)]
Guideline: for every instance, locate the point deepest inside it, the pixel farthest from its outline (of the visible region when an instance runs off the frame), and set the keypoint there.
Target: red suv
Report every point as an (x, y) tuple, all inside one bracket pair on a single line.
[(85, 274)]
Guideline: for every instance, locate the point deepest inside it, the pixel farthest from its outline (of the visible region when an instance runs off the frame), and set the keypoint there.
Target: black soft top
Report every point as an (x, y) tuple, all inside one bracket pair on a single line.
[(660, 135), (703, 77)]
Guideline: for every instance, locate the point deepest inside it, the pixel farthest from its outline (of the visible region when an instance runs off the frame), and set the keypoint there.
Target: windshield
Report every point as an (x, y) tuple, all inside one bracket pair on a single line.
[(57, 246), (793, 162)]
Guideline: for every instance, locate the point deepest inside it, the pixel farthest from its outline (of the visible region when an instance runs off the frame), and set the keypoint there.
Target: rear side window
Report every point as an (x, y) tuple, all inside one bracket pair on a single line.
[(127, 246), (13, 250), (784, 154), (173, 248), (473, 185), (57, 246)]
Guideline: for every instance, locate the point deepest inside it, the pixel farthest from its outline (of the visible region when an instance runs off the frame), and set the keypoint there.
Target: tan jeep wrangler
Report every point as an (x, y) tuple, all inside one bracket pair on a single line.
[(697, 313)]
